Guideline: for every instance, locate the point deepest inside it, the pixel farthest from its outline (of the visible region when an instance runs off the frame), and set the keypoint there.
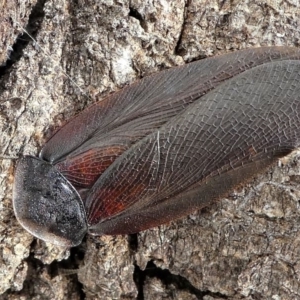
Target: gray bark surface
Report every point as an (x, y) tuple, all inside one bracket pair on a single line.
[(246, 246)]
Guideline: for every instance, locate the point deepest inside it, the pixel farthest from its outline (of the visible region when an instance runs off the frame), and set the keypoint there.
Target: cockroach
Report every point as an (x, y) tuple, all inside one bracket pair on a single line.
[(162, 147)]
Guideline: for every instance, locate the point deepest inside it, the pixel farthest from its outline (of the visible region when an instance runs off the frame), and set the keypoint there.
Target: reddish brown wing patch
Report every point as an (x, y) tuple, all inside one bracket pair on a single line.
[(111, 206), (84, 169)]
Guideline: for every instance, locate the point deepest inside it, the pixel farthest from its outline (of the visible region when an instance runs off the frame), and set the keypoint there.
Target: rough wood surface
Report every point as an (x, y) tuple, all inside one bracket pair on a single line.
[(247, 246)]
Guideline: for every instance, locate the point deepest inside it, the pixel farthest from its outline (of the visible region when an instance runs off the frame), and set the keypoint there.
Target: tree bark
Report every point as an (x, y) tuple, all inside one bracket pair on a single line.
[(246, 246)]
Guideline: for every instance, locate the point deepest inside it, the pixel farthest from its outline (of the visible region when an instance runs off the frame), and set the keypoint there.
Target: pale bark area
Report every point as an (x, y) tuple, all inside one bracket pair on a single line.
[(245, 246)]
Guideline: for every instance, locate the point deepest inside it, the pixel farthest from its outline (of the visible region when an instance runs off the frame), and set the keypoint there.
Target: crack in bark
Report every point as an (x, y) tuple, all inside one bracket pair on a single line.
[(33, 26), (168, 279)]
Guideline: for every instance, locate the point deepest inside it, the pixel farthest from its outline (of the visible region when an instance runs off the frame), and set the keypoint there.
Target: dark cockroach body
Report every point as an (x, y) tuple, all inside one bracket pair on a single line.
[(162, 147)]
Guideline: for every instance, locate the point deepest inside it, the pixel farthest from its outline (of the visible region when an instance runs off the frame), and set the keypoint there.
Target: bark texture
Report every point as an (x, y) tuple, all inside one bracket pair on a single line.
[(246, 246)]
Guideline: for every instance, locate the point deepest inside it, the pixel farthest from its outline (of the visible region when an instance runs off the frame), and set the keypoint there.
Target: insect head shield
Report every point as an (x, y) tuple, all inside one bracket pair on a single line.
[(46, 204)]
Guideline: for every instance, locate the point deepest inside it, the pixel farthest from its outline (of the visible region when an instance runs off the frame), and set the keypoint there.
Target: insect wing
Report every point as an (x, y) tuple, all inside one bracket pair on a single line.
[(232, 133), (90, 142)]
